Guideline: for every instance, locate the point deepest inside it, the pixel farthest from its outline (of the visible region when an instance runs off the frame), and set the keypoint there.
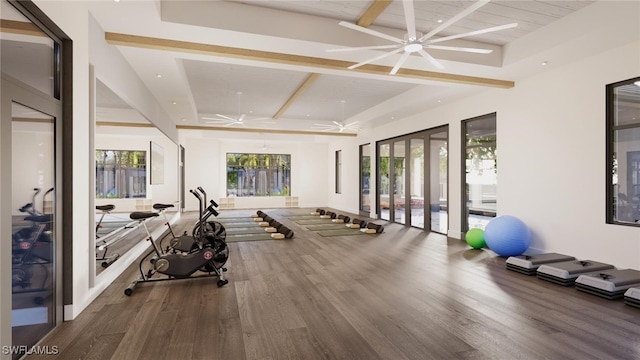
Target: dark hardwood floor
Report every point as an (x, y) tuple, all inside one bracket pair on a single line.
[(402, 294)]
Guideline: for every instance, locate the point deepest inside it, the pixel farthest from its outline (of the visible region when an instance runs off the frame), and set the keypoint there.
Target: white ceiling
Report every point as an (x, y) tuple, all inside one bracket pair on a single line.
[(196, 85)]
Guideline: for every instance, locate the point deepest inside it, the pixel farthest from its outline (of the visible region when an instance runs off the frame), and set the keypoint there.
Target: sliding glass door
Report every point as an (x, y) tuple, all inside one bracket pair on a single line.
[(399, 182), (416, 181), (412, 180), (365, 179), (384, 200)]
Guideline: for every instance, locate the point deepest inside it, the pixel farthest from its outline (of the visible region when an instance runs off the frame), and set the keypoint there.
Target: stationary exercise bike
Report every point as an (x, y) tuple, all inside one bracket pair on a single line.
[(208, 254), (186, 242)]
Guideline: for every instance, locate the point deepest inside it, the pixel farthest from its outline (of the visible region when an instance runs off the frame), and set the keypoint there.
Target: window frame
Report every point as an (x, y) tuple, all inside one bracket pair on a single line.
[(610, 140)]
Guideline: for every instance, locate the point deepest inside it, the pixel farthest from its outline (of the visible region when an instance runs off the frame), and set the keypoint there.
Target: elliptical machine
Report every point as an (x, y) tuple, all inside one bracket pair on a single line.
[(208, 253)]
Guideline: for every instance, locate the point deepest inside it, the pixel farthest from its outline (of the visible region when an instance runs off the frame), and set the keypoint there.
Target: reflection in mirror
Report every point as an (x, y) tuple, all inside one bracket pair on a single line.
[(123, 143)]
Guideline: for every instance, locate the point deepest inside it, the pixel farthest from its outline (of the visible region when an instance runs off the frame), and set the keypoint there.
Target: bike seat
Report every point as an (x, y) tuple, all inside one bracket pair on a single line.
[(162, 206), (105, 208), (39, 218), (140, 215)]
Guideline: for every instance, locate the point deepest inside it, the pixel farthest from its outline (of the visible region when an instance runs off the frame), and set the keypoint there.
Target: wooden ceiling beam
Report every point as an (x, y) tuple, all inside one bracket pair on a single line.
[(305, 84), (265, 131), (20, 27), (374, 10), (372, 13), (289, 59)]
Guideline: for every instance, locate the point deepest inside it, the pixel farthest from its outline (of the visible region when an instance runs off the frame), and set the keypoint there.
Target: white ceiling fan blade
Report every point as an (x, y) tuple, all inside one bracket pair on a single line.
[(410, 18), (337, 123), (377, 47), (351, 124), (455, 48), (225, 117), (241, 118), (404, 58), (478, 4), (476, 32), (369, 31), (431, 59), (375, 58), (230, 124)]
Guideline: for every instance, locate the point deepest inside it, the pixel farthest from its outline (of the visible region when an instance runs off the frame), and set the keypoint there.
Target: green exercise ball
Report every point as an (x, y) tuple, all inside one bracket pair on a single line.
[(475, 238)]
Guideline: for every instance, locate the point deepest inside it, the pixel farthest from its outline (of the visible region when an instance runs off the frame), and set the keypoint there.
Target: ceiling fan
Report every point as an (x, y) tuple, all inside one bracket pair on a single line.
[(228, 121), (339, 126), (416, 42)]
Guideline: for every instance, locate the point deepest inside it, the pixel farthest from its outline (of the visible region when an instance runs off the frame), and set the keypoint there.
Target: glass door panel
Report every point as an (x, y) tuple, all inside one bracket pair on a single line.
[(481, 172), (416, 182), (438, 194), (383, 184), (399, 182), (33, 234), (365, 178)]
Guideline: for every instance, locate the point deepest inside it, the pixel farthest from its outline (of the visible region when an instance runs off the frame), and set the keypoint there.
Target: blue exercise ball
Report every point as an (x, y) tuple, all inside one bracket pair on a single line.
[(507, 235)]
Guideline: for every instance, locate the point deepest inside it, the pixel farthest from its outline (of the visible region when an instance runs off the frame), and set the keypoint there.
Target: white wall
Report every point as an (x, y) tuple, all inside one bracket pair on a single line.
[(206, 158)]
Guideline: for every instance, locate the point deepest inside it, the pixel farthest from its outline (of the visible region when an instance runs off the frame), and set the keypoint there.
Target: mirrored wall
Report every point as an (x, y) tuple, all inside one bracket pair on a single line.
[(136, 167)]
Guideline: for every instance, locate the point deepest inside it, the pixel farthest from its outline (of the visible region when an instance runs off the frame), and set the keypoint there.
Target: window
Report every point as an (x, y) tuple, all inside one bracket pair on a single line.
[(338, 171), (258, 174), (365, 178), (480, 171), (623, 152), (121, 174)]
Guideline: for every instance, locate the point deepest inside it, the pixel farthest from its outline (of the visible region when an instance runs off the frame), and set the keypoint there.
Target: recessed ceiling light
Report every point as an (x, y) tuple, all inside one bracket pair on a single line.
[(544, 63), (174, 102), (439, 101), (439, 21), (158, 75)]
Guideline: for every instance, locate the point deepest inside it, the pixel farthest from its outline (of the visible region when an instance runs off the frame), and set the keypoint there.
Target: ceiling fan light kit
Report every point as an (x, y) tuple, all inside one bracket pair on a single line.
[(415, 42)]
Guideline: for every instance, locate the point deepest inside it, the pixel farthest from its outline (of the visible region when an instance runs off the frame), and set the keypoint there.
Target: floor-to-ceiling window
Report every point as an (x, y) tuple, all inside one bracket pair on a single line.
[(383, 181), (480, 171), (623, 152), (33, 161), (399, 181), (416, 181), (438, 180), (412, 179), (365, 179)]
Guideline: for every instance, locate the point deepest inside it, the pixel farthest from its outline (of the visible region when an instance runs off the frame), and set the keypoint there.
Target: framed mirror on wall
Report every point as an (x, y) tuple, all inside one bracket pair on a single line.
[(136, 166)]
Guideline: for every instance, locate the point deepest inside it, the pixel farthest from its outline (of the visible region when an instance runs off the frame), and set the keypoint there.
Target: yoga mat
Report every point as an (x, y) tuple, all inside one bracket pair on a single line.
[(241, 231), (301, 217), (314, 221), (249, 237), (331, 226), (234, 219), (339, 232), (240, 225)]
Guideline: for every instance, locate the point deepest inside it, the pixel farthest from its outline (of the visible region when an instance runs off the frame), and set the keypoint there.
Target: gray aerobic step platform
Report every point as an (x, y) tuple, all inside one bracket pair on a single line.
[(565, 273), (632, 297), (528, 264), (609, 284)]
